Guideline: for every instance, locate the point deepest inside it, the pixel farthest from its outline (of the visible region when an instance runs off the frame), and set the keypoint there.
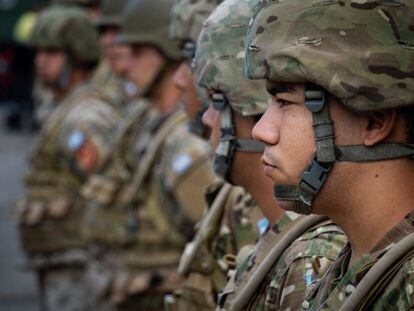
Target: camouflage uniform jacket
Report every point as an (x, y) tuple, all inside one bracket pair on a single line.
[(301, 265), (106, 219), (44, 102), (163, 200), (222, 233), (51, 212), (112, 85), (339, 282)]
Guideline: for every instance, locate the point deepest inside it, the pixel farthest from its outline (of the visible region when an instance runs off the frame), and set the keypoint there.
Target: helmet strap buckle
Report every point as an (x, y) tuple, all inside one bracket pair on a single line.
[(315, 174)]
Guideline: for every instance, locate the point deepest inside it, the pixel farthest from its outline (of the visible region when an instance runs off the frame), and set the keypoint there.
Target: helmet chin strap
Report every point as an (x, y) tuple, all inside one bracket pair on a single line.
[(189, 50), (229, 143), (149, 90), (316, 173), (196, 125), (62, 82)]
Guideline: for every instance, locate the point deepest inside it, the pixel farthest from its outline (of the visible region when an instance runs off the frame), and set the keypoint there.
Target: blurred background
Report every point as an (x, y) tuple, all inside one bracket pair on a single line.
[(18, 290)]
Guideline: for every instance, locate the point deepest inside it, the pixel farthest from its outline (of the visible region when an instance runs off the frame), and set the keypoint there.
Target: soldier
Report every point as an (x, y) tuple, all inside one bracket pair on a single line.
[(71, 145), (187, 18), (167, 166), (340, 75), (231, 222), (43, 96), (117, 56), (219, 68), (108, 74)]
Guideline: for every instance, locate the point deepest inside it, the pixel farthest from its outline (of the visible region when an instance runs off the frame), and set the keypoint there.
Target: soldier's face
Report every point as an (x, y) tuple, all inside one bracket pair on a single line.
[(145, 64), (50, 64), (107, 38), (120, 58), (246, 165), (184, 80), (286, 129)]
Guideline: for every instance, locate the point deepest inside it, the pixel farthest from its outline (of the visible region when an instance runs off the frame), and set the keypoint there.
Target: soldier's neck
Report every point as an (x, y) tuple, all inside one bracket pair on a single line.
[(262, 192), (75, 79), (166, 96), (378, 199)]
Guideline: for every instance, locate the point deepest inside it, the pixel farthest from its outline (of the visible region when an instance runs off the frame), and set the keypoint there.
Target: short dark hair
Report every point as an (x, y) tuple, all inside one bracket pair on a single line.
[(408, 115)]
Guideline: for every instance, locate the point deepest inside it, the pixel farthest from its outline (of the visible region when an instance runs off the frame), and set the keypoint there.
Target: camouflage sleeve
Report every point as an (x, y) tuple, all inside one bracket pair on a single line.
[(302, 265), (87, 131), (186, 171)]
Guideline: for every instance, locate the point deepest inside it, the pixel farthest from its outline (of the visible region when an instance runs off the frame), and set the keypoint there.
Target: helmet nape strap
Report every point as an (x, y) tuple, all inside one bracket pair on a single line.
[(249, 145), (315, 101), (379, 152)]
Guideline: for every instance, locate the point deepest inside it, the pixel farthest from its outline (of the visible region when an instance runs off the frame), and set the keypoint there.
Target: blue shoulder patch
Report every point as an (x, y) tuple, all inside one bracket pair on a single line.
[(262, 225), (75, 140)]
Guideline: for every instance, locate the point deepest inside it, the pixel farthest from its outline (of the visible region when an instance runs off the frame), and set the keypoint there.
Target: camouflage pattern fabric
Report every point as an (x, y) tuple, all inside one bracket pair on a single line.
[(84, 117), (155, 220), (106, 218), (147, 21), (219, 61), (304, 41), (50, 215), (188, 17), (246, 268), (112, 85), (300, 266), (397, 295), (235, 231), (66, 290), (184, 171), (43, 101), (109, 224)]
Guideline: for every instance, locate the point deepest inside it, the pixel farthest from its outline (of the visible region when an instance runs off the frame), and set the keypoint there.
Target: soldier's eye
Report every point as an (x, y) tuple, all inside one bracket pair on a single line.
[(282, 103)]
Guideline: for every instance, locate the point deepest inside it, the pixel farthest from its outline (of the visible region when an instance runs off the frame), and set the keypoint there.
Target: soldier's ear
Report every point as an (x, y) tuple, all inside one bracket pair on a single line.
[(380, 127)]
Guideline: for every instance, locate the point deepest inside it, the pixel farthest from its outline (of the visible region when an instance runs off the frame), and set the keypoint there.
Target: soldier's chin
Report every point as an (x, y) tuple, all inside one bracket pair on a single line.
[(289, 206), (47, 81)]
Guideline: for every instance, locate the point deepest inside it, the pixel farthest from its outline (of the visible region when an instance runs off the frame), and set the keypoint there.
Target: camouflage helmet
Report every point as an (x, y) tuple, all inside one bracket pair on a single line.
[(360, 51), (111, 13), (188, 16), (147, 22), (219, 60), (72, 32), (218, 66)]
